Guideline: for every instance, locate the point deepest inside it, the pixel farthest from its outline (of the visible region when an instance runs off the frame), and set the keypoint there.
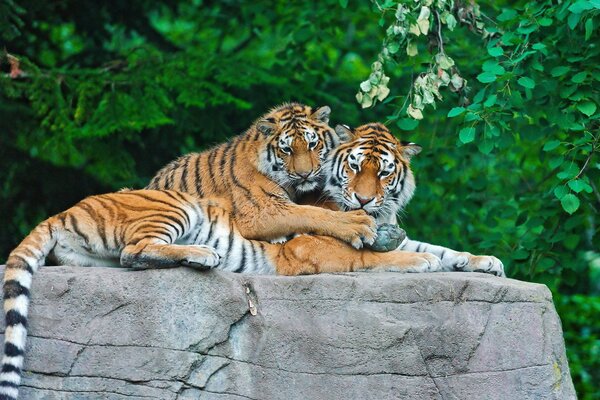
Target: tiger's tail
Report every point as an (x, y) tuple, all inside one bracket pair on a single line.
[(20, 266)]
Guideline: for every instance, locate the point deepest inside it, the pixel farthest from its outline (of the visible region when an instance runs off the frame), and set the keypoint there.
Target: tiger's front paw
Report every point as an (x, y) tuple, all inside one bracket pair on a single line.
[(471, 263), (201, 257), (488, 264), (356, 228)]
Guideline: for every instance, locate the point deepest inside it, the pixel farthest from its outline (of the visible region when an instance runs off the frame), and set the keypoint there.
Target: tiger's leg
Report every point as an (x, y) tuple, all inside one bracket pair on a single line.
[(151, 253), (317, 254), (453, 260)]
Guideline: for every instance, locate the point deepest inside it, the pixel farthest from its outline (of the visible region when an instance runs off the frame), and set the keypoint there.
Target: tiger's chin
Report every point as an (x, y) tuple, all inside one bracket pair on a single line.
[(373, 211), (306, 186)]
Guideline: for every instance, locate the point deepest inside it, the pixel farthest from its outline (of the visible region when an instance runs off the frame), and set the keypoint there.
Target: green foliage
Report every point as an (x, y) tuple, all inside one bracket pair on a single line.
[(503, 98), (582, 335), (516, 161)]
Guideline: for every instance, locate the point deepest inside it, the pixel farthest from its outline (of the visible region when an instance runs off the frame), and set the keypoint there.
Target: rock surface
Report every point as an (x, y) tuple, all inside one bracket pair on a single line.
[(102, 333)]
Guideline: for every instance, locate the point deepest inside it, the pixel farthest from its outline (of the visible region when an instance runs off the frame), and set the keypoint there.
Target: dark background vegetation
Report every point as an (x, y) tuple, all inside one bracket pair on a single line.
[(105, 93)]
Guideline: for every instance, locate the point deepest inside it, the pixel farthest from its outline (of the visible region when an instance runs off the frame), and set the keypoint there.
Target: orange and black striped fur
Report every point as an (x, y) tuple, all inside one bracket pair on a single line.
[(259, 174), (158, 229), (372, 172), (138, 229)]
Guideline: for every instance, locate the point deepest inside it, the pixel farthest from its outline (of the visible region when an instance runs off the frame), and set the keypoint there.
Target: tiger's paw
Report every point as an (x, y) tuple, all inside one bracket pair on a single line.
[(470, 263), (356, 228), (488, 264), (201, 257)]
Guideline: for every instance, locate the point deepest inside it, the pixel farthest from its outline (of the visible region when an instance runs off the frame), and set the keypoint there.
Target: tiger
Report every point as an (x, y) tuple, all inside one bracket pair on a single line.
[(259, 174), (371, 172), (142, 229)]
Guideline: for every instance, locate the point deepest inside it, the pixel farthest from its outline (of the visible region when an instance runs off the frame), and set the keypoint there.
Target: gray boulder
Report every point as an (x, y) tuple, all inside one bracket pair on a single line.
[(102, 333)]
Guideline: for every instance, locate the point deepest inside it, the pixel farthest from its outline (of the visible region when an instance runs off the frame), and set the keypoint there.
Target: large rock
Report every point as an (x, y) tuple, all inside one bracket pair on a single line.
[(101, 333)]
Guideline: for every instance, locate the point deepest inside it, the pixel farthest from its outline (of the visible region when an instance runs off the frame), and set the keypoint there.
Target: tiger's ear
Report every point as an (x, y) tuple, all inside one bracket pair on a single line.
[(410, 149), (266, 126), (344, 133), (322, 114)]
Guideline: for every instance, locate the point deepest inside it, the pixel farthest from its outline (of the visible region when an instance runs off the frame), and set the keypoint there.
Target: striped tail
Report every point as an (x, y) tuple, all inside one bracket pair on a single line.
[(22, 263)]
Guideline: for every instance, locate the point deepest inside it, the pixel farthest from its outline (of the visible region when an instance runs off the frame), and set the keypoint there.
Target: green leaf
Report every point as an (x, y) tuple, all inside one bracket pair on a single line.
[(573, 20), (407, 124), (567, 91), (526, 29), (494, 131), (486, 77), (344, 3), (545, 21), (589, 28), (472, 117), (559, 71), (569, 172), (561, 191), (556, 162), (551, 145), (570, 203), (478, 98), (570, 242), (526, 82), (521, 57), (467, 135), (490, 100), (578, 185), (456, 111), (507, 14), (587, 107), (521, 254), (580, 6), (485, 146), (579, 78), (493, 67), (538, 46), (495, 51), (541, 47)]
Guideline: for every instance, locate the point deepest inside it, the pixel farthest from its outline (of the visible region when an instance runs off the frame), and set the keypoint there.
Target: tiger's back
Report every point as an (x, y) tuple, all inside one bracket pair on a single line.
[(259, 174)]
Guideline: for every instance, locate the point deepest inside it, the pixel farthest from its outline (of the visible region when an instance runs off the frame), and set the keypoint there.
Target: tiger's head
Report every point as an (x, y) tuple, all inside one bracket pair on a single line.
[(297, 142), (371, 171)]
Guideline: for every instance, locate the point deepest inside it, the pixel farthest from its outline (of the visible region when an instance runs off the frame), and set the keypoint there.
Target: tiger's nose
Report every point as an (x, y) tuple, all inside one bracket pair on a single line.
[(364, 200), (304, 175)]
